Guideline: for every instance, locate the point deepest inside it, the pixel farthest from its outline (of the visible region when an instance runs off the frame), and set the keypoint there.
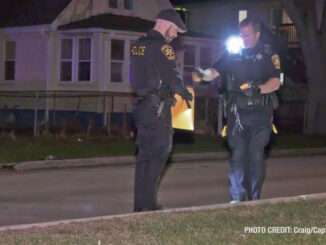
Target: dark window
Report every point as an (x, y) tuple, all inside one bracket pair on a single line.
[(66, 60), (205, 56), (187, 75), (128, 4), (10, 60), (66, 49), (183, 14), (84, 71), (66, 71), (189, 55), (116, 72), (117, 49), (117, 60), (188, 63), (10, 70), (84, 49), (113, 4), (84, 59)]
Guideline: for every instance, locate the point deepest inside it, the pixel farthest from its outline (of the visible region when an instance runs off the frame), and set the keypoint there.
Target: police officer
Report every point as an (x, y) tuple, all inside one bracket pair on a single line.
[(250, 81), (155, 80)]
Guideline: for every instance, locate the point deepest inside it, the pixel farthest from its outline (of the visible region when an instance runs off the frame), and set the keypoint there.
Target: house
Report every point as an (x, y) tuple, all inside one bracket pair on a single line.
[(74, 54)]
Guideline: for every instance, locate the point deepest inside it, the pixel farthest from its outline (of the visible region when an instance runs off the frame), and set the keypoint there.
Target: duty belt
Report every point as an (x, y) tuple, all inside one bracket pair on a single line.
[(245, 102), (149, 97)]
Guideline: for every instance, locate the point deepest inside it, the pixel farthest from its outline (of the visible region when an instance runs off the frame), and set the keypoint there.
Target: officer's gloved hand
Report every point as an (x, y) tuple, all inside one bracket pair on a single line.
[(250, 89), (200, 71), (172, 101), (163, 94), (187, 95), (198, 74)]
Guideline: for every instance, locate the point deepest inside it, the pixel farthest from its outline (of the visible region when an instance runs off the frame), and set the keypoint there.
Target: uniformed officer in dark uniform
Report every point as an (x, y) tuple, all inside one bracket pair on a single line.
[(155, 80), (250, 81)]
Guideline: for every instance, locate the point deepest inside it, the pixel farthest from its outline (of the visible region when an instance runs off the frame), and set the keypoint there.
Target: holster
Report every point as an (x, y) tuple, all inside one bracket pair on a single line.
[(275, 101), (161, 104), (244, 102)]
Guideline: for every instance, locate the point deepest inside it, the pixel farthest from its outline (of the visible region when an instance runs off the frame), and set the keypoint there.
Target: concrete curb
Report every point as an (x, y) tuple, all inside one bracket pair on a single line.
[(198, 208), (112, 161), (69, 163), (129, 160)]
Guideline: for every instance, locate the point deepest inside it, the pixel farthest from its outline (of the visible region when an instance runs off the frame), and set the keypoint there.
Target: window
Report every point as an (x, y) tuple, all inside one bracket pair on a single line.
[(66, 60), (113, 4), (84, 59), (128, 4), (189, 63), (10, 57), (117, 60), (183, 14), (196, 55), (242, 15), (205, 56), (75, 59)]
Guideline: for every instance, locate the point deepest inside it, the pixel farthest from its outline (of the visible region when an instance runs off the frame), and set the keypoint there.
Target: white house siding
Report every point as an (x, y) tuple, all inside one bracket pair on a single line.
[(30, 61), (30, 64), (100, 70)]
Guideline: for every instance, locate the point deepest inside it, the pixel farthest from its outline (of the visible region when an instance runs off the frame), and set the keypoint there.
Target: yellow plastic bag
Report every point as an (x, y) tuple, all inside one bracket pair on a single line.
[(182, 116)]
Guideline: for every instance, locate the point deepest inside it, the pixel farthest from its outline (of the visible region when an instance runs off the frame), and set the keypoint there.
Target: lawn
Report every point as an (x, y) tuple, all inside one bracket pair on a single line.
[(300, 222), (40, 148)]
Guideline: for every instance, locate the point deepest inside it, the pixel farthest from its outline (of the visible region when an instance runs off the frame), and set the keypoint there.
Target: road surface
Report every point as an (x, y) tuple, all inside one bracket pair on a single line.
[(49, 195)]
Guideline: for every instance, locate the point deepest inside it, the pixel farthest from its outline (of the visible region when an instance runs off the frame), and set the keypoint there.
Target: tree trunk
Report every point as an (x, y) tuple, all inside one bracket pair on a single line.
[(316, 121), (313, 46)]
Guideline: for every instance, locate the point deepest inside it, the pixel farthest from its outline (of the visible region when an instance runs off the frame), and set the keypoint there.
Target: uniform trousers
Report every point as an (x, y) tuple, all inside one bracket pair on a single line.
[(154, 142), (247, 168)]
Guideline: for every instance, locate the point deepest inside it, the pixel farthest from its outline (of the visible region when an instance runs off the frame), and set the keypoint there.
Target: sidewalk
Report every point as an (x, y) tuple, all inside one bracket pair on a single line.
[(129, 160)]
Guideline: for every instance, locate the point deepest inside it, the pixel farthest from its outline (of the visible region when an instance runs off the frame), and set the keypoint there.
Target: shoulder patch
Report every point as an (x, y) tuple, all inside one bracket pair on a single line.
[(276, 61), (167, 50), (138, 50)]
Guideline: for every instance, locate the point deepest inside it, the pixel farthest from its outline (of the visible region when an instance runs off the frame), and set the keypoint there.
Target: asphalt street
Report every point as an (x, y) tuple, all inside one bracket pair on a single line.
[(56, 194)]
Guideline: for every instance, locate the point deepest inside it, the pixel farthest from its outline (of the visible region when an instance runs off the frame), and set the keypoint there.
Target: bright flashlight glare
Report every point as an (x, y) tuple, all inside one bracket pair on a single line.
[(234, 45)]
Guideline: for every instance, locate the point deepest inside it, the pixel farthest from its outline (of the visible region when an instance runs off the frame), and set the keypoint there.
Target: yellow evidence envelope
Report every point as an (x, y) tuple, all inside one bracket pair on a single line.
[(182, 116)]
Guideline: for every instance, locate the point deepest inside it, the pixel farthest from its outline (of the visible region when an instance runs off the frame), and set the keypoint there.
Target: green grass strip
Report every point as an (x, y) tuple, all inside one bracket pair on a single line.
[(29, 149), (303, 221)]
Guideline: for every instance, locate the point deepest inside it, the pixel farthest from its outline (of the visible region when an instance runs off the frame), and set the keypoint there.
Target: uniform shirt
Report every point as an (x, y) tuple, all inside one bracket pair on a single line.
[(152, 61), (254, 64)]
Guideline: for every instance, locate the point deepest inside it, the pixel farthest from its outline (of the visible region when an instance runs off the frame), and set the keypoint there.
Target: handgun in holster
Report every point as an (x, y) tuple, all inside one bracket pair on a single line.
[(165, 97)]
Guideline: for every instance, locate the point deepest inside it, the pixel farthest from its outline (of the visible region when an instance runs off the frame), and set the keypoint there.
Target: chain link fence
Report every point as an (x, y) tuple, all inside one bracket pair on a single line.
[(110, 113)]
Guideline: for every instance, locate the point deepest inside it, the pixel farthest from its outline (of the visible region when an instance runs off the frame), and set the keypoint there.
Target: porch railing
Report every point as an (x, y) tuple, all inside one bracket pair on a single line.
[(289, 33)]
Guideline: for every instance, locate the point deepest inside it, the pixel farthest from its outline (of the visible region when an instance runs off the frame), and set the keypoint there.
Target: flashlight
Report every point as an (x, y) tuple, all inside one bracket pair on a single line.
[(234, 45)]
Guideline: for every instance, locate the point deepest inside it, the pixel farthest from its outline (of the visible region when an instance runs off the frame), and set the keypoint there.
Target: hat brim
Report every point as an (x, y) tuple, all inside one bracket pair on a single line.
[(182, 30)]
